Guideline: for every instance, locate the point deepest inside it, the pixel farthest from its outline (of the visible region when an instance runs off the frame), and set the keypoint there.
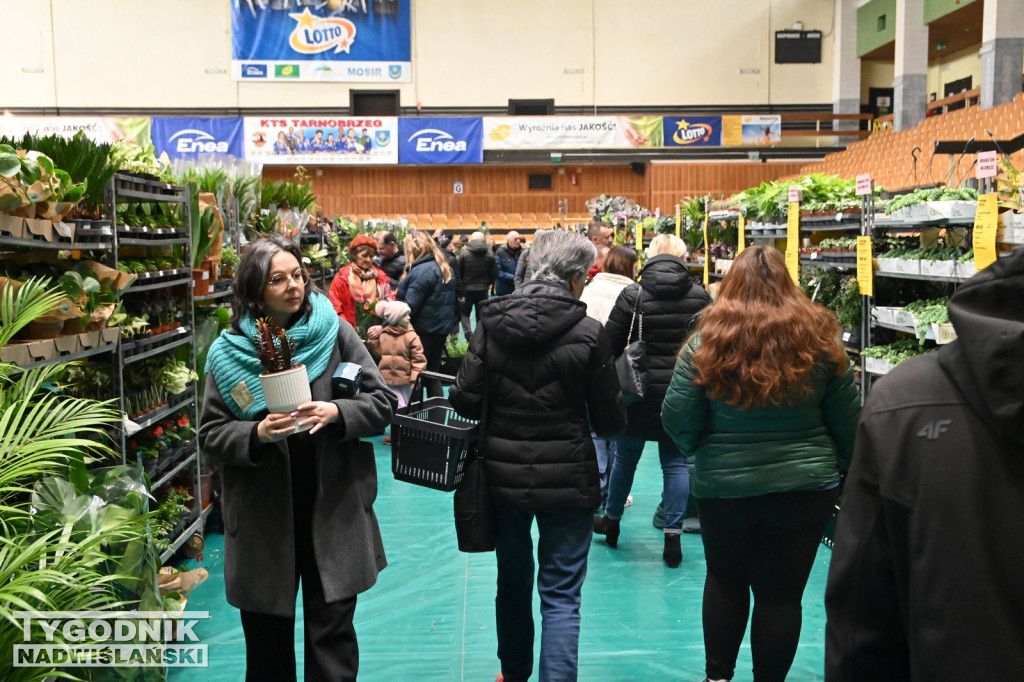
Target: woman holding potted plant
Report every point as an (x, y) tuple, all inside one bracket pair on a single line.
[(763, 397), (297, 504), (360, 284)]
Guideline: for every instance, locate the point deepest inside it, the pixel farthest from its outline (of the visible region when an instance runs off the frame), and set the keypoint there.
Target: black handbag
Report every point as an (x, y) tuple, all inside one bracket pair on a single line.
[(474, 511), (630, 365)]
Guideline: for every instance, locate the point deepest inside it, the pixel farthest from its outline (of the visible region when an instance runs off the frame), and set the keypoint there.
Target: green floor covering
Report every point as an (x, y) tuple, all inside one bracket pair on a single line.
[(431, 614)]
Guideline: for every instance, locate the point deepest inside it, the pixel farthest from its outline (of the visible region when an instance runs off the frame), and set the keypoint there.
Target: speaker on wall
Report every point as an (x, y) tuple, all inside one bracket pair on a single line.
[(531, 107), (638, 167), (374, 102)]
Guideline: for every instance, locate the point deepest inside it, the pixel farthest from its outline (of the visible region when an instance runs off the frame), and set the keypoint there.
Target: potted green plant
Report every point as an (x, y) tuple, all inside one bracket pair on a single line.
[(285, 386)]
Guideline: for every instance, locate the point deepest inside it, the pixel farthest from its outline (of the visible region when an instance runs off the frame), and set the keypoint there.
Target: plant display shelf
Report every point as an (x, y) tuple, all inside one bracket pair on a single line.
[(175, 469), (918, 225), (144, 189), (136, 288), (25, 243), (195, 527), (184, 400), (819, 263), (80, 355), (929, 335), (214, 296), (157, 344), (805, 226), (928, 278), (172, 237)]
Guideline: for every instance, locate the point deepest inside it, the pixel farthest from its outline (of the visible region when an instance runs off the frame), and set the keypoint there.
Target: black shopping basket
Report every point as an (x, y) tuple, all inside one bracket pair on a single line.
[(430, 441)]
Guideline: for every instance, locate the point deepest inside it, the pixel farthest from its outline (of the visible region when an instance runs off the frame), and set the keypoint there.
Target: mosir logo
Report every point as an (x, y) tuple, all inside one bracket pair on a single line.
[(430, 140), (108, 639), (688, 133), (313, 34), (190, 140)]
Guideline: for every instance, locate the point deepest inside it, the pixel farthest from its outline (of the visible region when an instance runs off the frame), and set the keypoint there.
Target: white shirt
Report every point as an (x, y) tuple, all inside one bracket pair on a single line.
[(600, 295)]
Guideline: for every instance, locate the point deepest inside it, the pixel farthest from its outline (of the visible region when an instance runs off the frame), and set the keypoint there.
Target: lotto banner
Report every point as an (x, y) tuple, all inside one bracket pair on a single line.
[(440, 140), (323, 140), (359, 41), (693, 131), (190, 137), (571, 132)]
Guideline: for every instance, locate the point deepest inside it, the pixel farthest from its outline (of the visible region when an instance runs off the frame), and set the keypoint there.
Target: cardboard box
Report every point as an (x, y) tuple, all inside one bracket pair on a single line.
[(13, 226), (40, 228)]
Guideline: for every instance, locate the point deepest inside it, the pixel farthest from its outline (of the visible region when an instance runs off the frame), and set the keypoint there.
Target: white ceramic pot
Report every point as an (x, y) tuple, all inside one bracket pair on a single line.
[(285, 391)]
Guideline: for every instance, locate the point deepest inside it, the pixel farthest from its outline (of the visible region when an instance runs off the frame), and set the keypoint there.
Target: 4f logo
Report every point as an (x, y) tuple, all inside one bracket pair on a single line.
[(932, 430)]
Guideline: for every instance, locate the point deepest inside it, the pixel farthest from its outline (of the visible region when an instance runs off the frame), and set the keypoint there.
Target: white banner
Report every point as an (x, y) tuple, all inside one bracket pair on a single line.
[(559, 132), (96, 128), (321, 140)]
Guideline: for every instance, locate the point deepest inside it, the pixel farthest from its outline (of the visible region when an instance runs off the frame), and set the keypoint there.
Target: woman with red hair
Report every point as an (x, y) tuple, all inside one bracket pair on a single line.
[(764, 398), (360, 283)]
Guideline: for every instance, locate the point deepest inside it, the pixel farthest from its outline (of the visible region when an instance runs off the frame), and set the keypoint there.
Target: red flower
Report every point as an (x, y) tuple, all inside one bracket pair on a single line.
[(158, 431), (166, 424), (183, 420)]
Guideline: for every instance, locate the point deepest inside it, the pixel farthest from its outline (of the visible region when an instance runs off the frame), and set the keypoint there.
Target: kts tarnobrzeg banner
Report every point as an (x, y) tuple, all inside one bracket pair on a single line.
[(321, 140), (368, 41)]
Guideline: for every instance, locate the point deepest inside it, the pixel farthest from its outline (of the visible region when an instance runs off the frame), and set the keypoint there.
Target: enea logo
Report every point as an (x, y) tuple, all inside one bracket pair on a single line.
[(383, 138), (189, 141), (430, 140), (395, 71), (688, 133), (499, 133), (254, 70), (313, 34)]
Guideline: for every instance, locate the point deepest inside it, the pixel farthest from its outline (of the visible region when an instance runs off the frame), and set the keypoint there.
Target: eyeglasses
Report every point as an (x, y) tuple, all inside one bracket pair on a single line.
[(281, 280)]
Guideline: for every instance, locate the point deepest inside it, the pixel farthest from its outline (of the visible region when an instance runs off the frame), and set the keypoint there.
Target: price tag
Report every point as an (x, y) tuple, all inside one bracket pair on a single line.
[(864, 184), (742, 240), (796, 194), (865, 274), (986, 223), (793, 225), (793, 263), (846, 336), (679, 221), (639, 237), (987, 165), (707, 254)]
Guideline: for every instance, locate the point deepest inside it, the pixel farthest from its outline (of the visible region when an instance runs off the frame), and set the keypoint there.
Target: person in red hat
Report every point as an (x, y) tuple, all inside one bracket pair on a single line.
[(359, 284)]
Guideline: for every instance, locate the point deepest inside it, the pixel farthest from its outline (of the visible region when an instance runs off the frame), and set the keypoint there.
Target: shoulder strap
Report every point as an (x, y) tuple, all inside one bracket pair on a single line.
[(637, 310)]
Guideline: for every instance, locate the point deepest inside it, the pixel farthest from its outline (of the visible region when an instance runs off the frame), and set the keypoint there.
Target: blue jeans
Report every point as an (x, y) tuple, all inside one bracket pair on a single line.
[(605, 458), (562, 555), (675, 486)]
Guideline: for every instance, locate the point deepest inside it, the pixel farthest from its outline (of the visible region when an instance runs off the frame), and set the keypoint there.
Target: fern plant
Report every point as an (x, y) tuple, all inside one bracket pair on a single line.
[(273, 346)]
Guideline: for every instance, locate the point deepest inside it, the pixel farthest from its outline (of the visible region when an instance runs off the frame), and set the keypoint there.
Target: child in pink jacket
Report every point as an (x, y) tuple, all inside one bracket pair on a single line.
[(399, 348)]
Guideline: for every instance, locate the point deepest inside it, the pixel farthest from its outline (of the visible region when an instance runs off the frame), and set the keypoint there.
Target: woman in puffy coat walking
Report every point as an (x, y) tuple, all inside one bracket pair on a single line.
[(430, 291), (548, 373), (668, 301), (763, 397)]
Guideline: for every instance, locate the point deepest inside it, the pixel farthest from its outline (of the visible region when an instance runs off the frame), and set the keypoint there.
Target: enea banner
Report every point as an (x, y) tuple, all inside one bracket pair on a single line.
[(363, 41), (693, 131), (190, 137), (322, 140), (571, 132), (440, 140)]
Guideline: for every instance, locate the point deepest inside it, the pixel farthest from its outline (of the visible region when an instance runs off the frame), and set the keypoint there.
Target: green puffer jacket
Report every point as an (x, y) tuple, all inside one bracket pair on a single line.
[(743, 453)]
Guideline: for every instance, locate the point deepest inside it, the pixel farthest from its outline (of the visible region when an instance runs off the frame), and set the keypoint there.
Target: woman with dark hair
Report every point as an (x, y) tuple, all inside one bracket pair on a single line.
[(666, 299), (547, 372), (764, 398), (297, 503), (618, 271), (430, 291), (359, 284)]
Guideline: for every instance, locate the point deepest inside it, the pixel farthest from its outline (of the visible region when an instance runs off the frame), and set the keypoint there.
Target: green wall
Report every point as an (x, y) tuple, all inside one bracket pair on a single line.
[(868, 36), (934, 9)]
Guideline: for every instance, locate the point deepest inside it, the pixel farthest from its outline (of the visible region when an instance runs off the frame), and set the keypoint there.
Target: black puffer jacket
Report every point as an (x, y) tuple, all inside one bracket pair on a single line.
[(547, 368), (669, 302), (476, 267)]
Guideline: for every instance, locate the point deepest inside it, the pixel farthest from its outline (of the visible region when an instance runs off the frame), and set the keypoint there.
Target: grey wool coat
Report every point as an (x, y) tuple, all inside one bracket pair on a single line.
[(259, 543)]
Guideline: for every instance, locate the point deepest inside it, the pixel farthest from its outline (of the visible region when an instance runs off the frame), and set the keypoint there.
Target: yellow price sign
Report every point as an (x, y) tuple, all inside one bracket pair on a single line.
[(742, 239), (793, 264), (707, 254), (986, 223), (679, 221), (639, 237), (865, 272), (793, 226)]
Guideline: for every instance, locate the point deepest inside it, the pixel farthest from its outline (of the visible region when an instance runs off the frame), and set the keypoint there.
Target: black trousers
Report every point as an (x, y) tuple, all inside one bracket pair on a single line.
[(470, 301), (433, 347), (765, 544), (331, 650)]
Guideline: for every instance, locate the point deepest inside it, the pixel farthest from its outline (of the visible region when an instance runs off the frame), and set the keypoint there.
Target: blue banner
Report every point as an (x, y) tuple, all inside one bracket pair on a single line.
[(189, 137), (693, 131), (440, 140), (312, 40)]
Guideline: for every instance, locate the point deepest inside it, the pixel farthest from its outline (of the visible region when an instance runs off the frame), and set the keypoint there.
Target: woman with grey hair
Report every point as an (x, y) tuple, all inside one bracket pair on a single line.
[(548, 374)]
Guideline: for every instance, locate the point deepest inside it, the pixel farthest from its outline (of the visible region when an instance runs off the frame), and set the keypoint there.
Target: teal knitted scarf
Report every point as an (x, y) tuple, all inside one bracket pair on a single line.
[(232, 359)]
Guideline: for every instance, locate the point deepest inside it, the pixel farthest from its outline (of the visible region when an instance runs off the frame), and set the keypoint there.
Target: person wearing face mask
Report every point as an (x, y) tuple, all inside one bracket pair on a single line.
[(298, 487), (360, 283), (548, 373)]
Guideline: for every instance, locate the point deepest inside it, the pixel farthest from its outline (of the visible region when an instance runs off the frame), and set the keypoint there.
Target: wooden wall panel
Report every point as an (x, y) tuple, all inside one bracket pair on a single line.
[(504, 189)]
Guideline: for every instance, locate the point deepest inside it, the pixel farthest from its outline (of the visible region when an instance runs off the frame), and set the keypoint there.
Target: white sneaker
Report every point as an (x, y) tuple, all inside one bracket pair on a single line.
[(629, 501)]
